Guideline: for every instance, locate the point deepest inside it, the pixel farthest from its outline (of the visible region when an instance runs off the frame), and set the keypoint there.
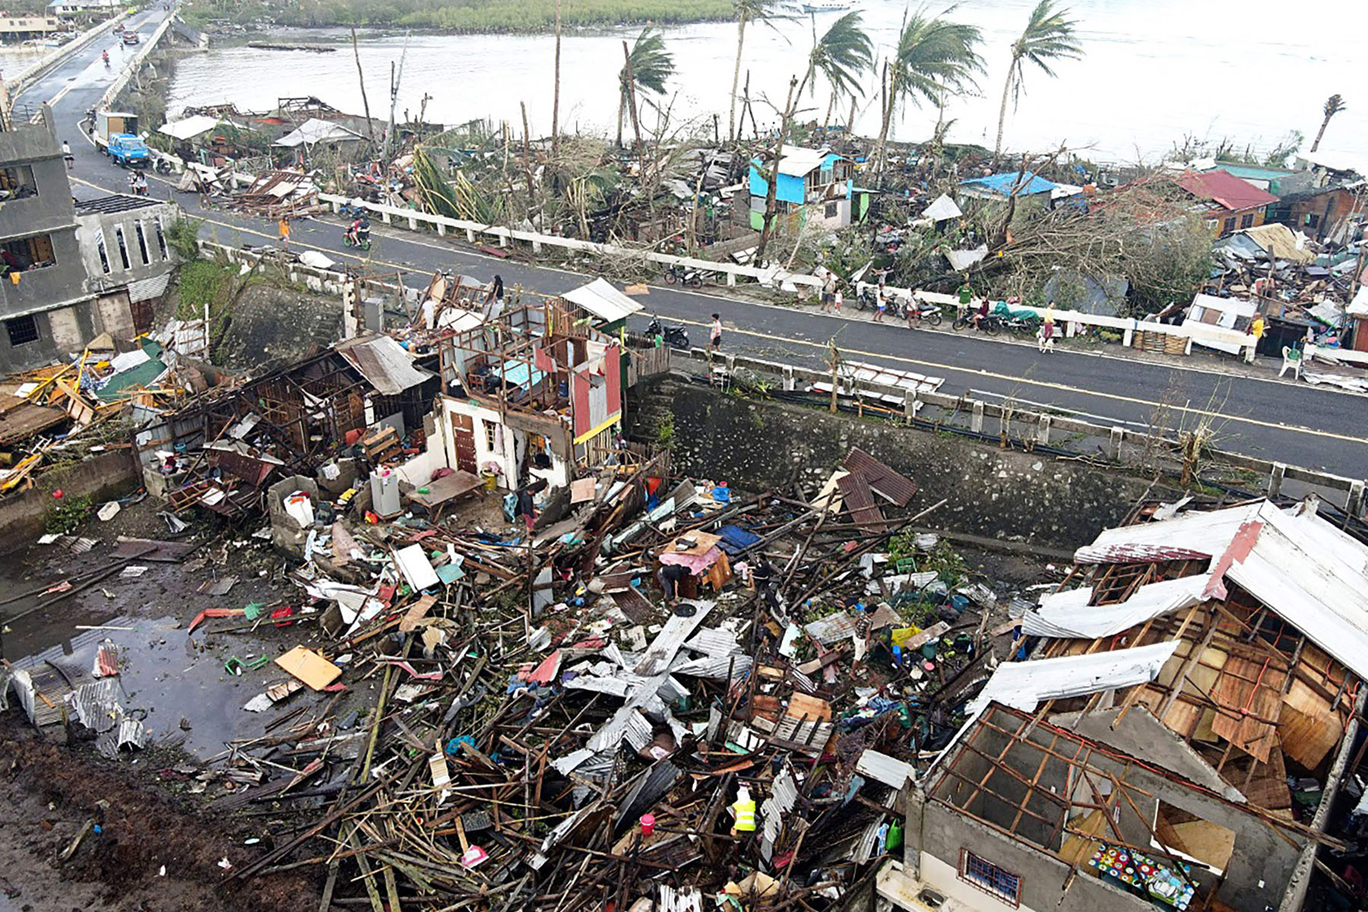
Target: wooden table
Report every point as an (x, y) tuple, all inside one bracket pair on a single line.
[(444, 490)]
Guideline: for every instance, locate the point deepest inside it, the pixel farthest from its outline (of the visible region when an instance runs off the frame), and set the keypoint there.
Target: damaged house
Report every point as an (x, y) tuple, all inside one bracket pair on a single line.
[(1181, 735), (534, 391)]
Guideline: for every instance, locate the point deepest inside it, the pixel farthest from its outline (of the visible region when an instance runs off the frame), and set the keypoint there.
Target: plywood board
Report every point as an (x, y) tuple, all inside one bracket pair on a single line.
[(309, 667), (1250, 696), (1206, 842), (1308, 738), (416, 613)]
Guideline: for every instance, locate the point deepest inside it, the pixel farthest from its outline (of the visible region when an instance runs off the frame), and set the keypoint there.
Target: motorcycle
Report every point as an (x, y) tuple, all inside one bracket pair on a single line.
[(684, 276), (988, 325), (674, 336), (923, 312), (357, 239)]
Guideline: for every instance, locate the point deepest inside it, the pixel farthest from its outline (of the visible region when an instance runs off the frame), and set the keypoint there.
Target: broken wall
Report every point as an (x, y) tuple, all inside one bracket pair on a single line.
[(991, 492)]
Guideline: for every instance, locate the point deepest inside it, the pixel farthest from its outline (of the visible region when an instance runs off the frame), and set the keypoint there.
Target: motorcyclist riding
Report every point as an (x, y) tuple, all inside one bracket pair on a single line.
[(359, 232)]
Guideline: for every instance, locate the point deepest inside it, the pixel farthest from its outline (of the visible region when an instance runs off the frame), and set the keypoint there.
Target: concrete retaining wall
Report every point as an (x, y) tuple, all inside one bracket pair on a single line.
[(1003, 494), (107, 476)]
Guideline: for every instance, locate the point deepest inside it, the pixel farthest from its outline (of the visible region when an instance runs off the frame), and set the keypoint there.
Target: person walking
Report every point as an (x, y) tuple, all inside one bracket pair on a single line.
[(828, 292), (284, 228), (66, 154), (715, 334), (880, 305), (837, 299)]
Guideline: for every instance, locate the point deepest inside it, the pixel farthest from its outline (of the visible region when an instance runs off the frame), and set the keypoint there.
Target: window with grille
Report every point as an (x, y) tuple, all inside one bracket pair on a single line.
[(1247, 221), (103, 251), (1229, 226), (989, 878), (22, 330)]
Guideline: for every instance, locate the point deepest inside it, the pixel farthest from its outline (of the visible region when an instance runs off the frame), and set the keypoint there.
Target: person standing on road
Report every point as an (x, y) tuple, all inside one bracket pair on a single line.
[(284, 227), (880, 304), (828, 292), (837, 299), (66, 154), (1047, 330), (715, 334)]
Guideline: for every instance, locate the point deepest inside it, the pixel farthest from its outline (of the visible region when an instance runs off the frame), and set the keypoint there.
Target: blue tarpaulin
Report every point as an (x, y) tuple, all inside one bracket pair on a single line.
[(734, 538)]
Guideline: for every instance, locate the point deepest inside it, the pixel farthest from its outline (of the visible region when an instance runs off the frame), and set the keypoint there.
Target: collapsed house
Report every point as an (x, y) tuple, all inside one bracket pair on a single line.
[(1182, 735)]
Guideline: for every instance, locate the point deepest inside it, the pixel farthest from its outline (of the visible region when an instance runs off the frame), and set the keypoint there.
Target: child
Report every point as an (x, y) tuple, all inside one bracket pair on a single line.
[(284, 227)]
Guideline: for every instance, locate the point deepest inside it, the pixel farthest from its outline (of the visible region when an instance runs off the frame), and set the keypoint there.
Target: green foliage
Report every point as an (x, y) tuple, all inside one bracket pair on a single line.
[(842, 55), (68, 515), (183, 236), (665, 432), (462, 15), (933, 55)]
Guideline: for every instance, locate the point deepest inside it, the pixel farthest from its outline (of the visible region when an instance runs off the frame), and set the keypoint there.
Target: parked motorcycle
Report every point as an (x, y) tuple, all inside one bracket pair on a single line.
[(674, 336), (683, 276), (919, 312), (989, 325)]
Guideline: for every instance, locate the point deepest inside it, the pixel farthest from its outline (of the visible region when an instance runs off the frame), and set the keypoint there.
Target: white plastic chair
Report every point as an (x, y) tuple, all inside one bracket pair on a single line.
[(1292, 358)]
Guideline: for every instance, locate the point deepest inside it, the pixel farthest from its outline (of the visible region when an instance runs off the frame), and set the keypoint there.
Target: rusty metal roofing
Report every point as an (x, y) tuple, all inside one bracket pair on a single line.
[(859, 501), (1136, 553), (885, 481)]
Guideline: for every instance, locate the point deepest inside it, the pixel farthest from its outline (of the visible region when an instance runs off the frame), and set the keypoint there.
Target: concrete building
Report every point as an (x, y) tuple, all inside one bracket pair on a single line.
[(813, 185), (82, 9), (18, 28), (1181, 737), (45, 302), (55, 296), (124, 249)]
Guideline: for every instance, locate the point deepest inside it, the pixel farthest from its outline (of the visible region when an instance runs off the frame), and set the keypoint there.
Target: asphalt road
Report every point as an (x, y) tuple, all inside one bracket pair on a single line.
[(1293, 423)]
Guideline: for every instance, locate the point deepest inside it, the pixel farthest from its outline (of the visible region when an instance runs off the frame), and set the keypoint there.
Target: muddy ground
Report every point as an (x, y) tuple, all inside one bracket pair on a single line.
[(49, 794), (192, 707)]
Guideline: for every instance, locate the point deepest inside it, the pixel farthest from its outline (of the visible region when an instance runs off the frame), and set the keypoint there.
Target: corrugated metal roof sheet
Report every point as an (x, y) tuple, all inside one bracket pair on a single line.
[(1002, 184), (859, 501), (1022, 685), (384, 364), (883, 768), (1225, 189), (1068, 614), (603, 301), (783, 796), (896, 487)]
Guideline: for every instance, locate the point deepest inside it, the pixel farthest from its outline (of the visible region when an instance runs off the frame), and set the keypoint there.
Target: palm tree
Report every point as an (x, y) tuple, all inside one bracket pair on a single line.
[(651, 66), (933, 57), (746, 11), (1049, 36), (1333, 105), (842, 55)]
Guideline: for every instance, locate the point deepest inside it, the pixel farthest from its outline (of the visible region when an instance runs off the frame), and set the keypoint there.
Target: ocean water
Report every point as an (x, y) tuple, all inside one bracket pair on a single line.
[(1155, 71)]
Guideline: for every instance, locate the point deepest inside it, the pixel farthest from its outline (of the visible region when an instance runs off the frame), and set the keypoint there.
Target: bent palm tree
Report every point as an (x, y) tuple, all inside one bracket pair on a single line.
[(1049, 36), (1333, 105), (651, 66), (933, 57), (746, 11), (842, 55)]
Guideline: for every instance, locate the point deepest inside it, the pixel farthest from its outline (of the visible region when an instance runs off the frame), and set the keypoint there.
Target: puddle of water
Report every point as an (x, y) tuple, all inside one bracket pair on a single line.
[(165, 672)]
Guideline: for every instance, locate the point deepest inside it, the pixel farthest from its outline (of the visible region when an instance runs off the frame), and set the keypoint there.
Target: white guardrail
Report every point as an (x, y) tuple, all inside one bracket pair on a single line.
[(35, 71), (131, 68), (1071, 320), (389, 214)]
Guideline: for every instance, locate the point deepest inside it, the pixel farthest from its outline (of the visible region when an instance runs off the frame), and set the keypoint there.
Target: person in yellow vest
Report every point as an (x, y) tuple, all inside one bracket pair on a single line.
[(744, 812), (1256, 328)]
